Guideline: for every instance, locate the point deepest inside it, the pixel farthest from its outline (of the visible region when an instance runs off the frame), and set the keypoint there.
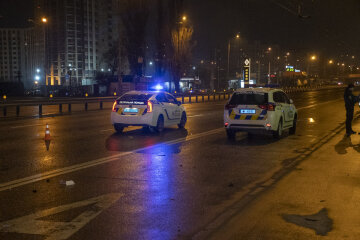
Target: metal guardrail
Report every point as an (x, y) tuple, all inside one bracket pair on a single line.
[(183, 98)]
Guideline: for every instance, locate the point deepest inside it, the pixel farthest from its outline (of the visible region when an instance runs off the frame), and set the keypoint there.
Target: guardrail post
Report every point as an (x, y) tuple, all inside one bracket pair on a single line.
[(219, 96), (190, 98), (203, 99), (182, 99), (40, 110), (60, 108), (4, 111), (69, 107), (196, 98), (214, 97), (86, 106), (17, 110), (208, 97), (101, 105)]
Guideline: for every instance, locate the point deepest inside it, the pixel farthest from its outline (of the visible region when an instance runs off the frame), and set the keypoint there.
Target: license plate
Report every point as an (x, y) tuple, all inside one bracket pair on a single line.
[(247, 111), (131, 110)]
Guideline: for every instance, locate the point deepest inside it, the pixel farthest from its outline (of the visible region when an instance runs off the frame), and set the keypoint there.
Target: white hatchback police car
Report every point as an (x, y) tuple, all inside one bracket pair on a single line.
[(259, 110), (151, 110)]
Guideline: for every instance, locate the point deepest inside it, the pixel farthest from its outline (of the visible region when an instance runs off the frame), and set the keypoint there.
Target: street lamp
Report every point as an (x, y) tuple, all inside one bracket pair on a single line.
[(331, 61), (313, 58), (269, 77), (44, 20), (184, 18), (237, 36)]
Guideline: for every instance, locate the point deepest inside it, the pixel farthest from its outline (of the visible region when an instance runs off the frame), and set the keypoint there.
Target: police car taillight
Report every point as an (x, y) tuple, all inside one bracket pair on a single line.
[(229, 106), (114, 106), (149, 106), (269, 106)]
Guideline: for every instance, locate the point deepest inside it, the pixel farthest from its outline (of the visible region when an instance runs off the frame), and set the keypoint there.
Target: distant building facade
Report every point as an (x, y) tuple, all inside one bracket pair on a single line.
[(15, 55), (77, 35)]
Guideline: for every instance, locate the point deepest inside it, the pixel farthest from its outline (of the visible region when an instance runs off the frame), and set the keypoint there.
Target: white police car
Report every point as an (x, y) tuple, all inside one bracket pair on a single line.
[(259, 110), (152, 110)]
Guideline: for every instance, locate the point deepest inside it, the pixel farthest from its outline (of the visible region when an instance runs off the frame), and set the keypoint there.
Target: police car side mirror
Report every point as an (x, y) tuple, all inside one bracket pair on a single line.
[(291, 101)]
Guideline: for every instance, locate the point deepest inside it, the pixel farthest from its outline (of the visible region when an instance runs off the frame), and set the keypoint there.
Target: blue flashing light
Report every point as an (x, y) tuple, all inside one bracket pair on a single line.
[(158, 87)]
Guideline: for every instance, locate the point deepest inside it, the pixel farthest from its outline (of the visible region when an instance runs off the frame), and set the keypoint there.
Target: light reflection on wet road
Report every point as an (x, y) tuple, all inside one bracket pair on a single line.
[(170, 190)]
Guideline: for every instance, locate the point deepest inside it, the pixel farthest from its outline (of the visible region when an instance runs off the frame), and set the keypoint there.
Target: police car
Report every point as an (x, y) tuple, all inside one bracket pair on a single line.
[(262, 110), (152, 110)]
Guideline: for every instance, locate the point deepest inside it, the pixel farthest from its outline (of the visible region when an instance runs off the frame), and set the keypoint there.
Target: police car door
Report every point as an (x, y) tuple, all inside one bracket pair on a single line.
[(174, 109), (288, 113)]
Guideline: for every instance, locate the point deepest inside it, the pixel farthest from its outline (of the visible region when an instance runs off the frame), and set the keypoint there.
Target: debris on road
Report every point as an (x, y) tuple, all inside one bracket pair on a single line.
[(67, 182)]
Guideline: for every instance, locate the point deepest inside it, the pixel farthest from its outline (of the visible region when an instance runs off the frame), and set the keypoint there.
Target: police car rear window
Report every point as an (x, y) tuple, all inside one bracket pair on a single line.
[(249, 98), (137, 99)]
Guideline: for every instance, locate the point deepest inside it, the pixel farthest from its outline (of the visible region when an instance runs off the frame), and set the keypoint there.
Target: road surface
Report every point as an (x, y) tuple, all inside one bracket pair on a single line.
[(91, 183)]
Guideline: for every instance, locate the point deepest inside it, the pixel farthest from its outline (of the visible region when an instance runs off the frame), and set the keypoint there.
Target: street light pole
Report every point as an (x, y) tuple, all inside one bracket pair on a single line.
[(228, 56), (269, 77), (228, 60)]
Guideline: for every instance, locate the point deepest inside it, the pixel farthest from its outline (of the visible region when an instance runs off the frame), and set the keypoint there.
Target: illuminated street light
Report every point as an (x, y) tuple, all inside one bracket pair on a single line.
[(36, 82), (37, 77), (343, 64), (237, 35), (269, 49), (184, 18), (37, 70), (287, 54), (313, 58), (331, 61), (44, 20), (151, 63)]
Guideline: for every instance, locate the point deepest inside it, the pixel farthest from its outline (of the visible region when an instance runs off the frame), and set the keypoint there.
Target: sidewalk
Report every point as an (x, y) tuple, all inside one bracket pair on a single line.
[(318, 200)]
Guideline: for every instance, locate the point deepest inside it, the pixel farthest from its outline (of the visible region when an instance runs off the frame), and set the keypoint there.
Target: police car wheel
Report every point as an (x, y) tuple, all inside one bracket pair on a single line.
[(231, 134), (160, 124), (182, 120), (278, 133), (146, 129), (118, 128), (293, 128)]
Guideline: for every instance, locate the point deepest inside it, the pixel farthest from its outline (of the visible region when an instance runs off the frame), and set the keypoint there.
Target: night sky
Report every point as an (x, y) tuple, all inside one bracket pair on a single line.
[(334, 26)]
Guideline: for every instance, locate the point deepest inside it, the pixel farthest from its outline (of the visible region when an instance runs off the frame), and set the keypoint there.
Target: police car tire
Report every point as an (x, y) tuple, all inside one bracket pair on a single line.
[(278, 133), (183, 120), (231, 134), (292, 130), (160, 124), (118, 128)]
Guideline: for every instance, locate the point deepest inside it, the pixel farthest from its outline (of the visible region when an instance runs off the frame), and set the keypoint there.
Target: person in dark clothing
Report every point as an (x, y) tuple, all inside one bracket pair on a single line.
[(350, 101)]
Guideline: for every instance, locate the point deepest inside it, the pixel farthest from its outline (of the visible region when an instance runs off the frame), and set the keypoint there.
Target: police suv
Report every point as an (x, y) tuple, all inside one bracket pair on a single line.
[(152, 110), (263, 110)]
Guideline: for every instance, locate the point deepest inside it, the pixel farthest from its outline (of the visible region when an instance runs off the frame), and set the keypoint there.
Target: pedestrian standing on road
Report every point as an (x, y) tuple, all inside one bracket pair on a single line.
[(350, 101)]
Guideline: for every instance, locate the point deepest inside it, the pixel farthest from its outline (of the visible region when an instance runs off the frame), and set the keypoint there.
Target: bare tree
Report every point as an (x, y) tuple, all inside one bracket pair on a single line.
[(182, 45)]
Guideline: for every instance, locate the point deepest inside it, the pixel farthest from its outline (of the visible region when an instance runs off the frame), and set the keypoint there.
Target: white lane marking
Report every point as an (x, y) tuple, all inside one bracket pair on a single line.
[(314, 105), (23, 126), (107, 130), (198, 115), (80, 166), (54, 230)]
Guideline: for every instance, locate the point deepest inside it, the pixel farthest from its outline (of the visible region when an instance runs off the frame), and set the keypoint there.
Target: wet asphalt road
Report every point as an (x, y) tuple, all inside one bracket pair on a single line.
[(139, 185)]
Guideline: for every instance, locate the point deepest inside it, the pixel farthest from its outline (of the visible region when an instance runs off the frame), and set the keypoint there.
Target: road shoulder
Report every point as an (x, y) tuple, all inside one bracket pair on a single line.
[(320, 198)]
